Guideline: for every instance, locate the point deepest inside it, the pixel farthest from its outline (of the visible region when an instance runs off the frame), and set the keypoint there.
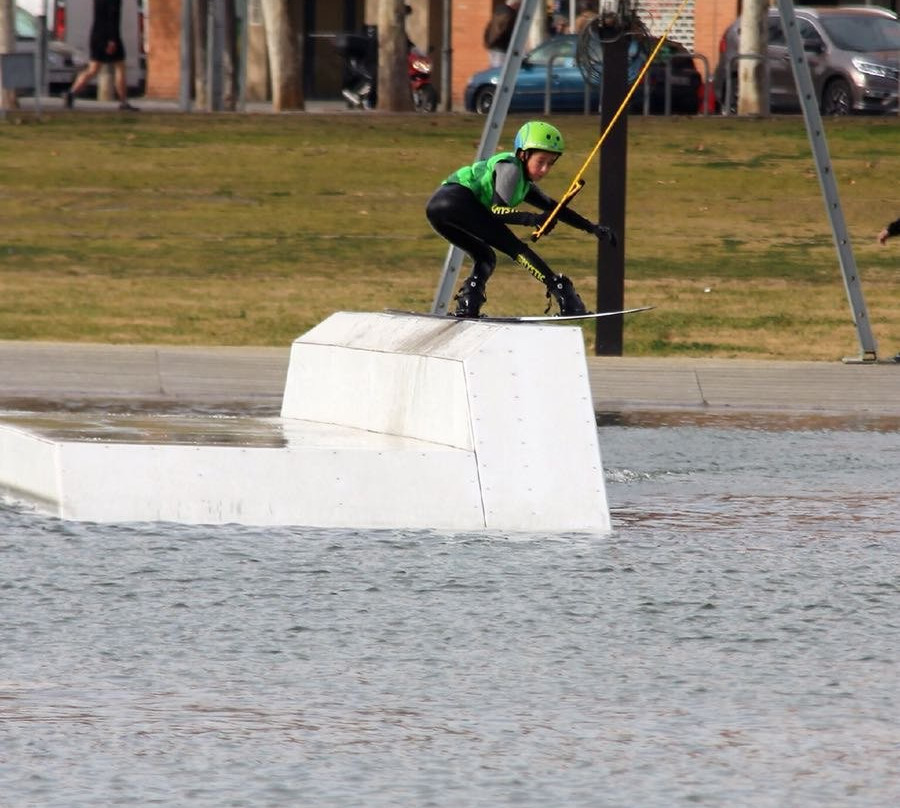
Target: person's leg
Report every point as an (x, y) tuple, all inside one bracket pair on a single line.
[(559, 287), (459, 217), (122, 86), (80, 81), (456, 214), (472, 295)]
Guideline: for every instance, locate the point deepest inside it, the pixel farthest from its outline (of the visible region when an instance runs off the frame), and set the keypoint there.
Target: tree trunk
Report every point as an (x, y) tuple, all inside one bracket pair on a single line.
[(7, 26), (393, 48), (202, 80), (8, 45), (283, 21), (199, 11), (753, 39), (230, 57)]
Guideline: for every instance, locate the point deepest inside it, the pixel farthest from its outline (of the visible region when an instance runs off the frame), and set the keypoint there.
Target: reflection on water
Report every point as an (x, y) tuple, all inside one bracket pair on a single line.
[(195, 430), (765, 421), (733, 642)]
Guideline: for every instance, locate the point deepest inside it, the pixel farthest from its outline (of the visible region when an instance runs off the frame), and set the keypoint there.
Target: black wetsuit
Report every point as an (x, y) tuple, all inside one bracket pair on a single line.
[(474, 206)]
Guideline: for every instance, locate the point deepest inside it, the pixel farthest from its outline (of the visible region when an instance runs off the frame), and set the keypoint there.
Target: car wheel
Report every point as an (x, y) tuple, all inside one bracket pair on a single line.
[(837, 100), (483, 100)]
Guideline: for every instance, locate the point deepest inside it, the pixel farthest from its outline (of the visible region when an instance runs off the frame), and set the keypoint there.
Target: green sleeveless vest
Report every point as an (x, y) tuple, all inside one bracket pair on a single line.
[(479, 179)]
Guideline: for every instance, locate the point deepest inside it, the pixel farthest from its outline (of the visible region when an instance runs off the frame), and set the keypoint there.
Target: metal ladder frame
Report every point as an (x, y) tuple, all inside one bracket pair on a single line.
[(815, 130)]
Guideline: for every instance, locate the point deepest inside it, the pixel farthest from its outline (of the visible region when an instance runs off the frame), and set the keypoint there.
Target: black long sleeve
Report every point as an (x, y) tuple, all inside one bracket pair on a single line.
[(539, 199)]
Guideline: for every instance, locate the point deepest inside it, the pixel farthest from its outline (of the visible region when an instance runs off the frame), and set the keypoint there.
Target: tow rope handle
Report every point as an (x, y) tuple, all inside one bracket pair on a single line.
[(578, 182), (567, 197)]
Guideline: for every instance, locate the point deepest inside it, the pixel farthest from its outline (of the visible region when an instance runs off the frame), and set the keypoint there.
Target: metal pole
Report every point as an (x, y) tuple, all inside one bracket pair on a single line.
[(447, 57), (186, 54), (613, 169), (40, 58), (215, 45), (816, 133), (40, 54), (244, 16)]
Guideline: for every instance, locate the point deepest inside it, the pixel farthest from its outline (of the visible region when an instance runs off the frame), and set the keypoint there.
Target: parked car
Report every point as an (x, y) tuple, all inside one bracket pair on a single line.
[(852, 53), (568, 87), (63, 61)]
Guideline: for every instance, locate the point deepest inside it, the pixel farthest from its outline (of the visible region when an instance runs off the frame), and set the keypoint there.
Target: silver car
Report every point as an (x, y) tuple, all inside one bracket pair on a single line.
[(63, 61), (852, 52)]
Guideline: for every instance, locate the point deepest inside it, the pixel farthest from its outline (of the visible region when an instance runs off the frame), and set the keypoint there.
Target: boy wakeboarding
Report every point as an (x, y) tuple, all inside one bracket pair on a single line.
[(473, 207)]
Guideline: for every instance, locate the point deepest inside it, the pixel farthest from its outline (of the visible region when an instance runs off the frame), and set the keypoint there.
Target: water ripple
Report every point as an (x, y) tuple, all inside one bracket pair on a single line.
[(734, 641)]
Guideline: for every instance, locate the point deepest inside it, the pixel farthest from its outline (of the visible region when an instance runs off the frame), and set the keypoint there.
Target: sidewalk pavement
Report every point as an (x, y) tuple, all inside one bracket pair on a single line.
[(44, 375), (33, 106)]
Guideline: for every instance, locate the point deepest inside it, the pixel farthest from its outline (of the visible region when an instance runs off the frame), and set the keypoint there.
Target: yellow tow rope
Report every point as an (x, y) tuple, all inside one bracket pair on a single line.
[(578, 181)]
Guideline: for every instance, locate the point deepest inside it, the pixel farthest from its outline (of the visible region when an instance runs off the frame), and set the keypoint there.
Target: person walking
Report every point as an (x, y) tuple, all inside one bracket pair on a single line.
[(498, 32), (588, 11), (106, 47), (473, 207)]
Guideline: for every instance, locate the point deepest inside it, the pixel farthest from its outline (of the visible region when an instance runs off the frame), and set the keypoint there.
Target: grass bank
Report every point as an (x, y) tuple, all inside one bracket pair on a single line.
[(248, 230)]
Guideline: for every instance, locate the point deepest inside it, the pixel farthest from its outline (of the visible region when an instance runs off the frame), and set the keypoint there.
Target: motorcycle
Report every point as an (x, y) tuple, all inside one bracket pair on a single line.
[(360, 56), (418, 66)]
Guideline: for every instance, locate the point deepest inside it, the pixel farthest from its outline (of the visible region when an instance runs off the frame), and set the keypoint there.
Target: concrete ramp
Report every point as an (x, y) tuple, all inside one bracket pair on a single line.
[(387, 420)]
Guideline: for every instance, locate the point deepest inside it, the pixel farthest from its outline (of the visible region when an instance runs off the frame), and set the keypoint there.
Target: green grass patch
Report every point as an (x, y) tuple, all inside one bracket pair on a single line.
[(247, 230)]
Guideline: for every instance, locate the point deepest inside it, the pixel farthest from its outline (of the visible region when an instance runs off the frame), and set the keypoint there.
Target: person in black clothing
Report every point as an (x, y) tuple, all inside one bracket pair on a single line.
[(106, 48), (498, 32), (475, 205), (891, 230)]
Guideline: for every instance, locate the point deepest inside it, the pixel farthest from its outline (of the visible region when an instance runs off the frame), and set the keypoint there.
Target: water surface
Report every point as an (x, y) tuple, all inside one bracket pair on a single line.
[(732, 642)]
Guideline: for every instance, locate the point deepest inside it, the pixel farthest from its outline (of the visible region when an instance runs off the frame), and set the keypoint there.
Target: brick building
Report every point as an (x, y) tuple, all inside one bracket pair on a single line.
[(699, 28)]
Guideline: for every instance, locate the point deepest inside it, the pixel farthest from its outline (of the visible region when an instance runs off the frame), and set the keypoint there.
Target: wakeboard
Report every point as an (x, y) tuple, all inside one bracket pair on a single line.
[(528, 318)]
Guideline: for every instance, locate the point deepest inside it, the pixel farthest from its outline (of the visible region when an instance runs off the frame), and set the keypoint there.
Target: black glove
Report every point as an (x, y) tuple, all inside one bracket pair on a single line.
[(542, 217), (602, 232), (536, 220)]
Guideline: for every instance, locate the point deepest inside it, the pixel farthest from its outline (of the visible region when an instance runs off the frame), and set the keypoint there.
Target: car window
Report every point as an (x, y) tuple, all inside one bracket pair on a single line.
[(562, 51), (26, 25), (808, 32), (862, 33), (776, 33)]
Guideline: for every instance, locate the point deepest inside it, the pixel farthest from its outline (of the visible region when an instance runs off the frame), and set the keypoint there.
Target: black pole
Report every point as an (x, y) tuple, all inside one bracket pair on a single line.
[(613, 172)]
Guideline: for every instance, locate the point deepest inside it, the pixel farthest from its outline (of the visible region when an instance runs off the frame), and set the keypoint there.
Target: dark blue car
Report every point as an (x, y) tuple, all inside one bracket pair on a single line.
[(552, 66)]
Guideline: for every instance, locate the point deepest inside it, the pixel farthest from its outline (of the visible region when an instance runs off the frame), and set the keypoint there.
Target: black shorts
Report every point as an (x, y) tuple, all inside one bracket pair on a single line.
[(102, 52)]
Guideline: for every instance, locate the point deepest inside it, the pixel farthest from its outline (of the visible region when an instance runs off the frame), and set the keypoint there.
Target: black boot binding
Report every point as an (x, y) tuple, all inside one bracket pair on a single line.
[(563, 292), (470, 298)]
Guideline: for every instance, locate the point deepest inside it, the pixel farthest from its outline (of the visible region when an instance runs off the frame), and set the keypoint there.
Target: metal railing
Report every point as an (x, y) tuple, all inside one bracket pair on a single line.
[(668, 80), (588, 88), (729, 82), (548, 87)]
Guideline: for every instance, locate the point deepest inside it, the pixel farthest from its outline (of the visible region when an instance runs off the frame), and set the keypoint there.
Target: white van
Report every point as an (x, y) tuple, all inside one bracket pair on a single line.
[(70, 21)]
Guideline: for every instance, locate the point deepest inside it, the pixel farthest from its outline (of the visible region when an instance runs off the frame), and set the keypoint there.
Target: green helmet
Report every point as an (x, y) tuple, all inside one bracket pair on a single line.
[(540, 135)]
